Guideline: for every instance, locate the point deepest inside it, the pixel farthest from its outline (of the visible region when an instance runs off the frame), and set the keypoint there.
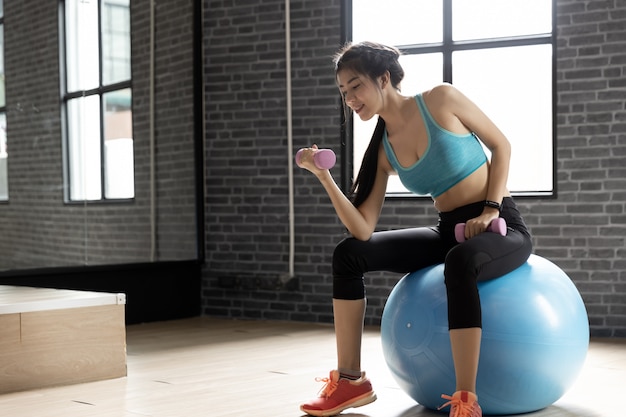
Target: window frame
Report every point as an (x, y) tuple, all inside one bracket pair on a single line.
[(3, 108), (447, 47), (99, 91)]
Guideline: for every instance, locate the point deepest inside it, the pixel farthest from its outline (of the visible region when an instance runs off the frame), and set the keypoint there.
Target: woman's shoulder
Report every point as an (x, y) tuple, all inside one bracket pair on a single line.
[(440, 92), (443, 98)]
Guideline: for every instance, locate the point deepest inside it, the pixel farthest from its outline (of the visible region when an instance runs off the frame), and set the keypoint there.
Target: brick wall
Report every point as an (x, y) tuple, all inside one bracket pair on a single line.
[(37, 230), (583, 230)]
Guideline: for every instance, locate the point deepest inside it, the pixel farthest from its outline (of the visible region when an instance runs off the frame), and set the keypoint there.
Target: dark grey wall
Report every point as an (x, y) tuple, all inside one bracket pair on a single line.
[(583, 230), (246, 203), (37, 229)]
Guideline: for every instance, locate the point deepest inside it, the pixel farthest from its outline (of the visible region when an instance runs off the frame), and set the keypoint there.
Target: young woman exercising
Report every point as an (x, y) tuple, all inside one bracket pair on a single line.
[(433, 142)]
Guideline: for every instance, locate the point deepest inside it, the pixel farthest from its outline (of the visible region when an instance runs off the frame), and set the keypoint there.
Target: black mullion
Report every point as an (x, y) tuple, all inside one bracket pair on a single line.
[(346, 21), (346, 132), (117, 86), (447, 41), (476, 44), (198, 129), (502, 42), (555, 181), (102, 109), (67, 183), (3, 108), (421, 49), (99, 90)]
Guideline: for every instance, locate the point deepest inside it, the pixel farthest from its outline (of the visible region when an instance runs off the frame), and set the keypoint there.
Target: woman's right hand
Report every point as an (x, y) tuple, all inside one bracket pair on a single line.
[(307, 161), (360, 221)]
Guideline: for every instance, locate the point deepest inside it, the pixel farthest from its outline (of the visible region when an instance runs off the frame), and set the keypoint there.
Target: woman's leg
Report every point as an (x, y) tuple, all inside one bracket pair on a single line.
[(486, 256), (396, 251), (349, 315), (465, 344), (399, 251)]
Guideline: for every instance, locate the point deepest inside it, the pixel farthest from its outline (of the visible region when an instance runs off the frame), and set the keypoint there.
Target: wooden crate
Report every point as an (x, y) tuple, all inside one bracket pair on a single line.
[(54, 337)]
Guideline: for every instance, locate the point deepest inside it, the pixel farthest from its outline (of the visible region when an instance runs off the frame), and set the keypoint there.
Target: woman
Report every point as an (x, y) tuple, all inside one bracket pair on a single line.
[(433, 142)]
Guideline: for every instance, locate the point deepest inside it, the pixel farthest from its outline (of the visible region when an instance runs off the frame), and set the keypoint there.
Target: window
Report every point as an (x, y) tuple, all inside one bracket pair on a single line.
[(4, 177), (500, 53), (98, 100)]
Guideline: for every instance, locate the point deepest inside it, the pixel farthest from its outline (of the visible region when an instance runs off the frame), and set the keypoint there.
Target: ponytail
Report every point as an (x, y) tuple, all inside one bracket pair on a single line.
[(372, 60), (364, 182)]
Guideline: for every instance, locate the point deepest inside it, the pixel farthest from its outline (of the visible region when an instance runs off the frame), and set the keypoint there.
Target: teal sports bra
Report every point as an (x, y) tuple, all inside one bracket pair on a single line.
[(449, 158)]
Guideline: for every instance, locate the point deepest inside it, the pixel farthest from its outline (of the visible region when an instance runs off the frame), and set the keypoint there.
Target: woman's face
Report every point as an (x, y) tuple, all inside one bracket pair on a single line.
[(359, 93)]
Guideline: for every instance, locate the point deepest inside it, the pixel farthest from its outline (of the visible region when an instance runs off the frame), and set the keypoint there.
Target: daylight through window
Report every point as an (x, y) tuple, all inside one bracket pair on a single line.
[(500, 53), (98, 100)]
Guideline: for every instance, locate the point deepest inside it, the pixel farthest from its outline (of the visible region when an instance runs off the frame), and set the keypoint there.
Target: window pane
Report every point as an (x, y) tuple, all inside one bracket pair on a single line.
[(84, 148), (421, 72), (514, 87), (118, 145), (82, 50), (488, 77), (479, 19), (115, 41), (2, 85), (4, 178), (397, 22)]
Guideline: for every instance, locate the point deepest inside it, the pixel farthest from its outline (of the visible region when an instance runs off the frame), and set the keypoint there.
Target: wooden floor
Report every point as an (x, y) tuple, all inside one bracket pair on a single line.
[(207, 367)]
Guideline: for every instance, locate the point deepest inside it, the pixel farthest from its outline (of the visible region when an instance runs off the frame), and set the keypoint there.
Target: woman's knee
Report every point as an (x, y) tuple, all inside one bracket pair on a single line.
[(464, 266), (348, 271), (347, 258), (485, 258)]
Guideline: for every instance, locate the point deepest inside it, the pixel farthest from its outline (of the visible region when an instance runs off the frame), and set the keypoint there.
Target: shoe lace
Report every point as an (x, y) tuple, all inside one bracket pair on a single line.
[(328, 389), (459, 408)]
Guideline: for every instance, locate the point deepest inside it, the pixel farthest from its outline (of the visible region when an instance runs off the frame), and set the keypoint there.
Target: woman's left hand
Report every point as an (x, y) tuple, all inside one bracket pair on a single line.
[(480, 224)]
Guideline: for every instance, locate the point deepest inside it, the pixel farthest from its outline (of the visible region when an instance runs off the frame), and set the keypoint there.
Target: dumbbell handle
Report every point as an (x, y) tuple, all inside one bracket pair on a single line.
[(322, 158), (496, 226)]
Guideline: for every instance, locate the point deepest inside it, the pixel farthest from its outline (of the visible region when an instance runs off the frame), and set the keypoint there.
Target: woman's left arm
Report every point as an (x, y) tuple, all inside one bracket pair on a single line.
[(474, 119)]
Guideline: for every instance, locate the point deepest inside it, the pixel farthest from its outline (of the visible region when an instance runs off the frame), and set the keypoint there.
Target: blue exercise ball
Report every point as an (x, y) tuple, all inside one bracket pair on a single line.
[(534, 341)]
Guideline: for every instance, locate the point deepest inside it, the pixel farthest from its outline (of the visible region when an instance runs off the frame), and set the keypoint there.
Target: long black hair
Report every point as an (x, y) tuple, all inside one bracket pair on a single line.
[(372, 60)]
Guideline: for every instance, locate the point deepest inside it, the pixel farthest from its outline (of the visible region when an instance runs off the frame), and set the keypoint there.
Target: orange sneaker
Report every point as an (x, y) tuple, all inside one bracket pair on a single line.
[(462, 404), (340, 394)]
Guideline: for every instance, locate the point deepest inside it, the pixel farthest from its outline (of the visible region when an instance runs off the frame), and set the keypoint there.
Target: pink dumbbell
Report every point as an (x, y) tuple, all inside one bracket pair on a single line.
[(322, 158), (496, 226)]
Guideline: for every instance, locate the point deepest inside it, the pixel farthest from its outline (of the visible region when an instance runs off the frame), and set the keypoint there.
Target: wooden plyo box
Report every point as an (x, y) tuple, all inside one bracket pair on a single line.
[(54, 337)]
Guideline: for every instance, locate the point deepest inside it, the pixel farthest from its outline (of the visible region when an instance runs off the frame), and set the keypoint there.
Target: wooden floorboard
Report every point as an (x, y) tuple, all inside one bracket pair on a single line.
[(209, 367)]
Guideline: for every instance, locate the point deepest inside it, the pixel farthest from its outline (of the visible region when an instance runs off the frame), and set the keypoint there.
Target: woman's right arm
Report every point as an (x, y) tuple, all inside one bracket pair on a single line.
[(360, 222)]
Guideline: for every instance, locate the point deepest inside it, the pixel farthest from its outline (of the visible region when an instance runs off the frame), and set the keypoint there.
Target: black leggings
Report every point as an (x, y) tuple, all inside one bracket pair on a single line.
[(483, 257)]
